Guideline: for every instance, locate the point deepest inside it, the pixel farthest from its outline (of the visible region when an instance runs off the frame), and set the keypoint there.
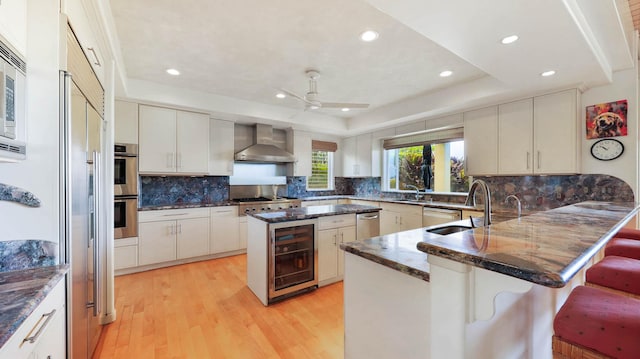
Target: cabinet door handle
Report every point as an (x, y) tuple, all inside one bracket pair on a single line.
[(171, 229), (528, 159), (169, 160), (538, 159), (400, 220), (180, 230), (335, 240), (179, 160), (32, 339)]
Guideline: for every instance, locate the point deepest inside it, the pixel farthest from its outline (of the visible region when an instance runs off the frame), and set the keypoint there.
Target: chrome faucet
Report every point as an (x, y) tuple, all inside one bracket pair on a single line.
[(471, 199), (417, 190), (506, 200)]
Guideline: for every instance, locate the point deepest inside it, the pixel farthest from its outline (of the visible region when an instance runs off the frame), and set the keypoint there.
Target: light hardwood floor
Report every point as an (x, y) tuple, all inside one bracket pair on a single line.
[(206, 310)]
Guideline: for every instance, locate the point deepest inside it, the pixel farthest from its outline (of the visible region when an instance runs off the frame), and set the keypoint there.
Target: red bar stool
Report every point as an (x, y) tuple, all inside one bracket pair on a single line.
[(594, 323), (616, 274), (623, 247), (628, 233)]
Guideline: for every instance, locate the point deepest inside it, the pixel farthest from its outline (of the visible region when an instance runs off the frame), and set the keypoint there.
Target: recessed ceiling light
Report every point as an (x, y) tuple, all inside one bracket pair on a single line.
[(173, 72), (280, 95), (446, 73), (548, 73), (509, 39), (369, 35), (345, 109), (314, 107)]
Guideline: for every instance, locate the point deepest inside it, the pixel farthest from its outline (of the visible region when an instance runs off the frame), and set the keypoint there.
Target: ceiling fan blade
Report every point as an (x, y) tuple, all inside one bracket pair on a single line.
[(344, 105), (294, 95)]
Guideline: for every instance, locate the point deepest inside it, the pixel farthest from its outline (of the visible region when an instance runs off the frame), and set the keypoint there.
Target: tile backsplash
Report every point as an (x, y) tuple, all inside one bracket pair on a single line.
[(535, 192)]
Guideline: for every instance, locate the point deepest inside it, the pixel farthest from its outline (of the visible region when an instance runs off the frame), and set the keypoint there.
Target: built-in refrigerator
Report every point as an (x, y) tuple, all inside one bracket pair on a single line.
[(81, 112)]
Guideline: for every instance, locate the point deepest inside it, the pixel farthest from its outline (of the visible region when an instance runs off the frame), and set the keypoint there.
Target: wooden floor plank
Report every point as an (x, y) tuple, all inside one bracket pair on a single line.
[(205, 310)]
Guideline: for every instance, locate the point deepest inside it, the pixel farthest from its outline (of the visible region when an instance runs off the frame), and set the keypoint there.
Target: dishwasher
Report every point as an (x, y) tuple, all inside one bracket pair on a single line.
[(434, 216), (367, 225)]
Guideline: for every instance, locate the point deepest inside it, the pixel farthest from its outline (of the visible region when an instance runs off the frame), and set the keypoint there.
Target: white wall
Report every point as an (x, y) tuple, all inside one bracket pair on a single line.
[(39, 172), (624, 86)]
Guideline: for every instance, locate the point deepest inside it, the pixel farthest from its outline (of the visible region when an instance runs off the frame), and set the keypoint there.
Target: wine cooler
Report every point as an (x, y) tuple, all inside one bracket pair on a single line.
[(293, 260)]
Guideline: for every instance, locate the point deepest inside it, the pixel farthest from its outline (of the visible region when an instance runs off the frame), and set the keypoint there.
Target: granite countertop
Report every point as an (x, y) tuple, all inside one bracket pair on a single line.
[(546, 248), (296, 214), (397, 251), (20, 293), (188, 205)]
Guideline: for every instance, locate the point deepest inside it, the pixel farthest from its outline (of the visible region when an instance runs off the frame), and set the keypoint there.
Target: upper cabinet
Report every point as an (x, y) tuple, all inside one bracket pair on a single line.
[(357, 159), (221, 148), (173, 141), (481, 141), (531, 136), (299, 143), (13, 24), (126, 122)]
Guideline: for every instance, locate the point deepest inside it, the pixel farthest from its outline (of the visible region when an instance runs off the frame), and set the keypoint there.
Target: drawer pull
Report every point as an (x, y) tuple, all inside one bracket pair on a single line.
[(32, 339)]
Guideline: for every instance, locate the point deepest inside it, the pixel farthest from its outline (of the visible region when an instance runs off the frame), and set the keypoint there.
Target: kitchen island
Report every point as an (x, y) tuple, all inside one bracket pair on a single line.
[(490, 292), (297, 249)]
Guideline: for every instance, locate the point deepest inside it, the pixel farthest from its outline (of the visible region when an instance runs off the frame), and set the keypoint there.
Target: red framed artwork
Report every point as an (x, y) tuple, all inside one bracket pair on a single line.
[(607, 120)]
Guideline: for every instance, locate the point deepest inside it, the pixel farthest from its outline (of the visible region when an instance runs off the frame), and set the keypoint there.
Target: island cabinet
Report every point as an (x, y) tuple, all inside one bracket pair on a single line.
[(357, 158), (172, 142), (532, 136), (221, 147), (396, 217), (225, 230), (42, 334), (333, 231), (172, 234)]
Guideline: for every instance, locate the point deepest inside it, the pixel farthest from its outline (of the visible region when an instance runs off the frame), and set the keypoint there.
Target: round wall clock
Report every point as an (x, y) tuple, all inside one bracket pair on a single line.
[(607, 149)]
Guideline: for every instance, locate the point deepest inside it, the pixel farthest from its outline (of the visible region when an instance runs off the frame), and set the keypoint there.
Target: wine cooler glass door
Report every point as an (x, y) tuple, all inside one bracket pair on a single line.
[(293, 258)]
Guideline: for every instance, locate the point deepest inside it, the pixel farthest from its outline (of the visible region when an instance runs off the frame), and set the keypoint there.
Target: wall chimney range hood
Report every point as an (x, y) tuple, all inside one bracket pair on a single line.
[(263, 149)]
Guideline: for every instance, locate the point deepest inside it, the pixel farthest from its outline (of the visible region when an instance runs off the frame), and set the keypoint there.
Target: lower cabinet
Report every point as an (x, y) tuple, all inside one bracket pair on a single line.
[(396, 217), (42, 334), (125, 253), (225, 230), (332, 231), (172, 234)]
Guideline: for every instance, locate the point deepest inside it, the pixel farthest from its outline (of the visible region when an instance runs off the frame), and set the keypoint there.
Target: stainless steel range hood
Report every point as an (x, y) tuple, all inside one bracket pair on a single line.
[(263, 149)]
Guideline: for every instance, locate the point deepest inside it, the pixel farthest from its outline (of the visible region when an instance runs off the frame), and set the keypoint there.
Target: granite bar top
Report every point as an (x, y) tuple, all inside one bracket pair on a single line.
[(397, 251), (296, 214), (546, 248), (20, 293)]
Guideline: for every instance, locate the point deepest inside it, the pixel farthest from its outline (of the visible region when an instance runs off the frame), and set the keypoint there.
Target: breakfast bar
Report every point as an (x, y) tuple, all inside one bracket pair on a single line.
[(488, 292)]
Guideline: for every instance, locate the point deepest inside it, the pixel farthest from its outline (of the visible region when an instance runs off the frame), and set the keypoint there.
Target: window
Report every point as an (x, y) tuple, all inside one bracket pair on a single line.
[(321, 166), (405, 163)]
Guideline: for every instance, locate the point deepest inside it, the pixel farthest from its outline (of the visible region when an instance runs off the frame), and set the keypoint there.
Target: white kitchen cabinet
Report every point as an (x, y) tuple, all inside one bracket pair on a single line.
[(221, 147), (243, 230), (125, 253), (172, 141), (300, 144), (225, 230), (481, 141), (49, 320), (515, 139), (532, 136), (172, 234), (556, 133), (332, 231), (357, 158), (126, 122), (396, 217), (13, 24)]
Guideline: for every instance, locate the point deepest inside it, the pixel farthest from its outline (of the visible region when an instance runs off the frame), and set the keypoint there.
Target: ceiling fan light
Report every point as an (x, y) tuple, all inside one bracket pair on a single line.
[(314, 107), (280, 95), (369, 36), (173, 72)]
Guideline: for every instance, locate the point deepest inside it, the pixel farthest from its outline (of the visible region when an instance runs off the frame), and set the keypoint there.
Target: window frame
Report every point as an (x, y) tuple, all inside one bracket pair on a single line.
[(330, 172)]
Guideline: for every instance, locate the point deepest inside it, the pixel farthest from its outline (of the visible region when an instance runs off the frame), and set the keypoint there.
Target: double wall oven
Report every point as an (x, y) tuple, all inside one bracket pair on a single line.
[(125, 179)]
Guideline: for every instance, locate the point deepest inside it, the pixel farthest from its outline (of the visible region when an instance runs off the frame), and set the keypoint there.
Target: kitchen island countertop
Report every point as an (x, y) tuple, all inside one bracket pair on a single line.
[(296, 214)]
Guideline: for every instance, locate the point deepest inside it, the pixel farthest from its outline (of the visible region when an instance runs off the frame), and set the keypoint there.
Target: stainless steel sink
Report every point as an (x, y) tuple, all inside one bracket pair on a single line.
[(449, 229)]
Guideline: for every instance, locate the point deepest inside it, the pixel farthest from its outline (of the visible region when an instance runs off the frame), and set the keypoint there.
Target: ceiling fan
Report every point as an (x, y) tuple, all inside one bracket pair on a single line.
[(311, 98)]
